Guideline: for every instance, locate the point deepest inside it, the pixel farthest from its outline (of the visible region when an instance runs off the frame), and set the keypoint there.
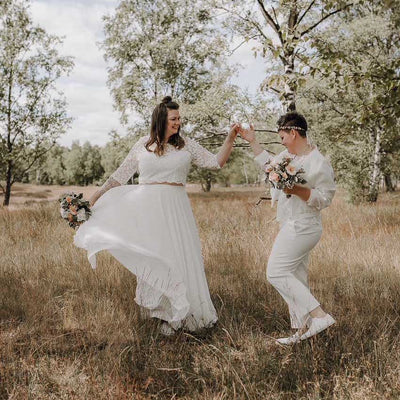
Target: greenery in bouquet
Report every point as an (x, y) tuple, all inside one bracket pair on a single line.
[(283, 174), (74, 209)]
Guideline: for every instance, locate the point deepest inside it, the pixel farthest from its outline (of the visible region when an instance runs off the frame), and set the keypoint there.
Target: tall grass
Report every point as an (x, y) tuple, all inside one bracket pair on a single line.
[(68, 332)]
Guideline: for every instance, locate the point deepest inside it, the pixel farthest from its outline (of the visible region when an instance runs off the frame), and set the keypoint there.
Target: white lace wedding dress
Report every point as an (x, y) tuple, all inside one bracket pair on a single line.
[(150, 229)]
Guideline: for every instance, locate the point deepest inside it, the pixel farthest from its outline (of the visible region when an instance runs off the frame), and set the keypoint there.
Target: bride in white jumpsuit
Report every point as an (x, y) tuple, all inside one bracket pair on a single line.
[(300, 224)]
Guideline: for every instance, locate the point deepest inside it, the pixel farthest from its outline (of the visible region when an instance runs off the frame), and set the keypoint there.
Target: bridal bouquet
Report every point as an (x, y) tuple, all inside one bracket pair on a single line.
[(283, 174), (74, 209)]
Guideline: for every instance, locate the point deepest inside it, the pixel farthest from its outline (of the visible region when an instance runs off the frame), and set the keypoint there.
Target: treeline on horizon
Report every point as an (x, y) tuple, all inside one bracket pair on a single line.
[(87, 164), (337, 62)]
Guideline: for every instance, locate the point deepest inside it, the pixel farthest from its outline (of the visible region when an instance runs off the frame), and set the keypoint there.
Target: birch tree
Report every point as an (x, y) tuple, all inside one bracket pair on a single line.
[(354, 98), (281, 30), (32, 112)]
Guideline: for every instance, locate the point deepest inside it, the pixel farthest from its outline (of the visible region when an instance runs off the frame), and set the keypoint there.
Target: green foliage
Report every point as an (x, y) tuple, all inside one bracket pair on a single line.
[(353, 98), (116, 149), (83, 164), (282, 31), (53, 170), (210, 118), (158, 48), (32, 112)]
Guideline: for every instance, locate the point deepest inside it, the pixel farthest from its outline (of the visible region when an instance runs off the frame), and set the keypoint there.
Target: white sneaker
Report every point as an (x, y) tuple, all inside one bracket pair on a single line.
[(289, 340), (318, 325), (166, 329)]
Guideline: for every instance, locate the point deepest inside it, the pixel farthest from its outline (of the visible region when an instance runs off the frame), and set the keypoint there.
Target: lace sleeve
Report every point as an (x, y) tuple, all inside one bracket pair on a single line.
[(130, 165), (201, 156), (107, 185)]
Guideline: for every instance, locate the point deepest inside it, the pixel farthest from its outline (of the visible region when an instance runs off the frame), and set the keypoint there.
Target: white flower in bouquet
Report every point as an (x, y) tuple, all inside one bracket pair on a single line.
[(81, 215), (64, 213)]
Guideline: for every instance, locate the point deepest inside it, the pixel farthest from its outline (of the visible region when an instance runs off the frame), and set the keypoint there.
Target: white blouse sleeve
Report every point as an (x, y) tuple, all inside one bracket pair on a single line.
[(130, 165), (262, 158), (201, 156), (324, 189)]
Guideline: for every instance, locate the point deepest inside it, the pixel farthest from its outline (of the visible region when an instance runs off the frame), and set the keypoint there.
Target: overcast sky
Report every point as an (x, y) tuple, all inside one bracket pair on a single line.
[(89, 101)]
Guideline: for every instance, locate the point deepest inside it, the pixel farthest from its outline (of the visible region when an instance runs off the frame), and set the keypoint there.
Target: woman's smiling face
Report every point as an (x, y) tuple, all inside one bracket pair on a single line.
[(173, 123)]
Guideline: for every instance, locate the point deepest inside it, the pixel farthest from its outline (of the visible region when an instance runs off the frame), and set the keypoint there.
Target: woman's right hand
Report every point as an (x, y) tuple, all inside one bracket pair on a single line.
[(108, 184), (248, 134)]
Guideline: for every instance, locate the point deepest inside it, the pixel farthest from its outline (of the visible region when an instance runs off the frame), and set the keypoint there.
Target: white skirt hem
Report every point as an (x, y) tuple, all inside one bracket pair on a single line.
[(150, 229)]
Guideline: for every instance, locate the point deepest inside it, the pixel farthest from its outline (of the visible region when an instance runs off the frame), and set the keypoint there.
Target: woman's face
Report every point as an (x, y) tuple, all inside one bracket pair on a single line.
[(173, 123), (288, 139)]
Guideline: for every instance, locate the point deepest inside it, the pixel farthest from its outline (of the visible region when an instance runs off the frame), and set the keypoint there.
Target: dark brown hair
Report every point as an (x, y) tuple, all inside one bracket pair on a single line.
[(159, 122), (293, 120)]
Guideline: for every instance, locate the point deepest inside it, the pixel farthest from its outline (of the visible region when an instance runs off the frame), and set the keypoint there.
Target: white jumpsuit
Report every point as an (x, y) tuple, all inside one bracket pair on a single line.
[(300, 231)]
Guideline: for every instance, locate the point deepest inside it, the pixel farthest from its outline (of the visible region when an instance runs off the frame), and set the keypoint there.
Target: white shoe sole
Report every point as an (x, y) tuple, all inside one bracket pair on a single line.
[(287, 341)]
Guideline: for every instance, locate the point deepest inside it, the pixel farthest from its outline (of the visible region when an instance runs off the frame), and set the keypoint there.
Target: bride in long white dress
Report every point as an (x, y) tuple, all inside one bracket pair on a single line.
[(150, 229)]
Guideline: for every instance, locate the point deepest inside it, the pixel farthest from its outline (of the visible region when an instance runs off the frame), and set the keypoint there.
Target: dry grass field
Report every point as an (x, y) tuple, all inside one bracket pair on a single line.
[(68, 332)]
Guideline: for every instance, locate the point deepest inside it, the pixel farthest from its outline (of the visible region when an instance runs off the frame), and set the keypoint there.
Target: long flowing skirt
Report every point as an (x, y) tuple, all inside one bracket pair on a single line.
[(151, 230)]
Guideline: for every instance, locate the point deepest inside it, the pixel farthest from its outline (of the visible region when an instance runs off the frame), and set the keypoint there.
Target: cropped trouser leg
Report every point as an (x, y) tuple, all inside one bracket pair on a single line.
[(288, 268)]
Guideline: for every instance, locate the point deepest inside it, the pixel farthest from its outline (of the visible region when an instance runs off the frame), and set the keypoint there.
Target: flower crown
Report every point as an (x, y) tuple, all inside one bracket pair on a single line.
[(285, 128)]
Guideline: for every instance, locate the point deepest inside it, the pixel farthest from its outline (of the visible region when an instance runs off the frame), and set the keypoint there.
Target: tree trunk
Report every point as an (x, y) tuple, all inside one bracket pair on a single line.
[(289, 101), (289, 97), (388, 183), (245, 173), (375, 173), (208, 184), (38, 176), (7, 193)]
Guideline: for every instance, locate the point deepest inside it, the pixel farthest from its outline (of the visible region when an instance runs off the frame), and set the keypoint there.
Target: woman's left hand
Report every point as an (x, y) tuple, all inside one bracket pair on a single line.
[(290, 191), (300, 191)]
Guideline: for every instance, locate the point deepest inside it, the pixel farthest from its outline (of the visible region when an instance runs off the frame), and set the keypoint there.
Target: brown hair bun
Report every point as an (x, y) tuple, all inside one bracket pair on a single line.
[(166, 100)]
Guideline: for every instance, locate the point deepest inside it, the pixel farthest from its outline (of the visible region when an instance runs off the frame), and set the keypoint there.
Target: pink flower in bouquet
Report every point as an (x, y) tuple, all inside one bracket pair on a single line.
[(291, 170), (274, 177), (284, 175)]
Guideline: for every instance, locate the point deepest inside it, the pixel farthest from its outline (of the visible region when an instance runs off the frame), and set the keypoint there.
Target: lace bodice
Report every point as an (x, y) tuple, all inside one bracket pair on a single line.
[(320, 179), (172, 167)]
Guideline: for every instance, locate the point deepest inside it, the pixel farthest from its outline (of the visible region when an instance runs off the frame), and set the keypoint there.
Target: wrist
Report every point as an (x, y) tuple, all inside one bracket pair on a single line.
[(230, 138)]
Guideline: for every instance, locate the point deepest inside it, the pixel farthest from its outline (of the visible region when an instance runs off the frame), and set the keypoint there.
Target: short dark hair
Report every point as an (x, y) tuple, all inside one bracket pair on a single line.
[(293, 120)]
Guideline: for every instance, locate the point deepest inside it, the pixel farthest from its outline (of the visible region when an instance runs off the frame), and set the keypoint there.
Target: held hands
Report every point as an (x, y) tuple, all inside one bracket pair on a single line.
[(234, 130), (247, 134)]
